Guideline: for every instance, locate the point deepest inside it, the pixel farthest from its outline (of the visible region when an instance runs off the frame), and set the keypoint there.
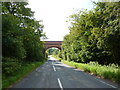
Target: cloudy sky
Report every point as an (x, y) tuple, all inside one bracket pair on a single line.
[(54, 14)]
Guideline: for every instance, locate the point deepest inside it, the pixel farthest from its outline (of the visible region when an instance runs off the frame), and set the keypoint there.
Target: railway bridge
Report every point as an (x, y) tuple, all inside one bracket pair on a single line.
[(50, 44)]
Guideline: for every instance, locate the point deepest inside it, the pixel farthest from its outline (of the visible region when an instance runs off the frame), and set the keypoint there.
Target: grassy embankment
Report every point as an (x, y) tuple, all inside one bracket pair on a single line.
[(25, 69), (111, 72)]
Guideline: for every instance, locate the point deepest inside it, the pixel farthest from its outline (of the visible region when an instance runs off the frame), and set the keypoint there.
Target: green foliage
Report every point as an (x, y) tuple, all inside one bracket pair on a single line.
[(20, 39), (94, 35), (21, 32), (10, 66), (53, 51), (11, 39), (24, 70), (50, 51)]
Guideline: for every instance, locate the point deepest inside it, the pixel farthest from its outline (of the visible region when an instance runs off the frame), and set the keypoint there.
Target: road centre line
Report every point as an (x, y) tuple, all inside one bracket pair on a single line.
[(54, 68), (60, 84)]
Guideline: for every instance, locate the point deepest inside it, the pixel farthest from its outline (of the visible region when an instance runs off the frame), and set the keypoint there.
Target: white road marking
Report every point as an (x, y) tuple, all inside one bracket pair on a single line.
[(54, 68), (60, 84), (106, 83)]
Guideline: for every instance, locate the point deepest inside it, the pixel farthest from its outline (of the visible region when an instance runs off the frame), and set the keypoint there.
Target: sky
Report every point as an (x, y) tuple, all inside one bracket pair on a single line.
[(55, 13)]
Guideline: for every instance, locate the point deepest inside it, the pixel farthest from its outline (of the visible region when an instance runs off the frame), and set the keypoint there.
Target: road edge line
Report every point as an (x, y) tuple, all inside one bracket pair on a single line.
[(106, 83)]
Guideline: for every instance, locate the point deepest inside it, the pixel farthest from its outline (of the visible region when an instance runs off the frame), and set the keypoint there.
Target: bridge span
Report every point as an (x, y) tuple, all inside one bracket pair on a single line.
[(50, 44)]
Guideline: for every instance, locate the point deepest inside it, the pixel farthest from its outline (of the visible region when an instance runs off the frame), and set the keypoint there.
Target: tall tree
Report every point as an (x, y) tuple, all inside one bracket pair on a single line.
[(94, 35)]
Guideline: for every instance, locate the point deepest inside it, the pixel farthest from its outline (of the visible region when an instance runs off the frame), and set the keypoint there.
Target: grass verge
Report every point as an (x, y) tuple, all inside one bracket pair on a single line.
[(26, 68), (111, 72)]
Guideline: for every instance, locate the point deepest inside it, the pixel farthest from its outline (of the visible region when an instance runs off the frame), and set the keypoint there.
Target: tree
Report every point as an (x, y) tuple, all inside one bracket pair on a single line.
[(94, 35), (21, 34)]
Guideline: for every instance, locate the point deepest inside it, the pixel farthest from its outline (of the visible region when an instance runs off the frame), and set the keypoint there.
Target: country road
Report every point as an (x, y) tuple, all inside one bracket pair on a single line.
[(55, 74)]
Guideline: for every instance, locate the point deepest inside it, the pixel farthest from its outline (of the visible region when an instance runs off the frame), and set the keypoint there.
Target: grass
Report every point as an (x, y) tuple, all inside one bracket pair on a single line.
[(25, 70), (111, 72)]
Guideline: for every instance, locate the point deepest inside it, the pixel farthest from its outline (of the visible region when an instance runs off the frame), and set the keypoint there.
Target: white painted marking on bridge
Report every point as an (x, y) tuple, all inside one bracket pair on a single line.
[(54, 68), (60, 84)]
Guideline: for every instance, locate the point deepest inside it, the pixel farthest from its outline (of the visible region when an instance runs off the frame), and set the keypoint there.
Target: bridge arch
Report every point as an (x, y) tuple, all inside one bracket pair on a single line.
[(50, 44)]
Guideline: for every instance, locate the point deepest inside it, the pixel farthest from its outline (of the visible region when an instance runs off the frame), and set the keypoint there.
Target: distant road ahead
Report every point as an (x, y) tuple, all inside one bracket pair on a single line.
[(54, 74)]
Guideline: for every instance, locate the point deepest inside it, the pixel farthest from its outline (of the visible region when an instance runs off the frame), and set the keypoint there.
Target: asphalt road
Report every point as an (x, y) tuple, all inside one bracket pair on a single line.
[(54, 74)]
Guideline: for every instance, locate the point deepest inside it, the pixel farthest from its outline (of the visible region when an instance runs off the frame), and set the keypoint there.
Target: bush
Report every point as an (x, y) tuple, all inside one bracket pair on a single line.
[(10, 65)]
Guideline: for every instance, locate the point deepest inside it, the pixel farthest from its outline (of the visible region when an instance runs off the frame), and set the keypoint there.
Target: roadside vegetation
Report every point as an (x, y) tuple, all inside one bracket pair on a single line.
[(111, 71), (94, 35), (17, 74), (22, 49), (94, 41)]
